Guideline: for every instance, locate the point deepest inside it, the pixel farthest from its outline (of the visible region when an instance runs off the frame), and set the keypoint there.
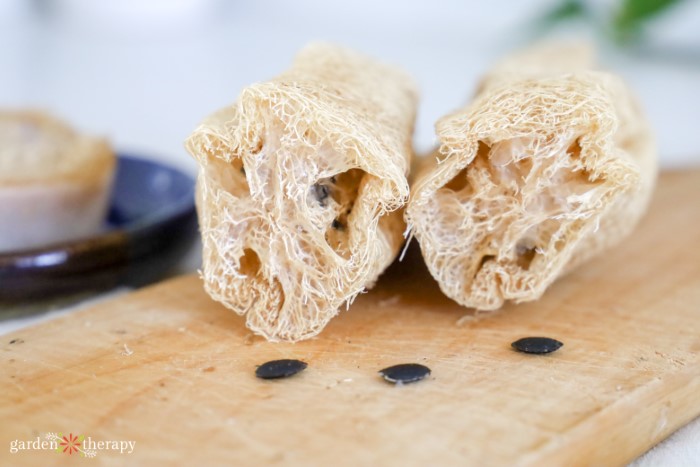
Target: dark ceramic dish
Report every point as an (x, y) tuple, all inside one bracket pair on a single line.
[(152, 223)]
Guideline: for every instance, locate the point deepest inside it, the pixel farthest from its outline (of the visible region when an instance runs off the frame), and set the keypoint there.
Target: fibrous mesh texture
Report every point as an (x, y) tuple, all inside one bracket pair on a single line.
[(542, 171), (300, 189)]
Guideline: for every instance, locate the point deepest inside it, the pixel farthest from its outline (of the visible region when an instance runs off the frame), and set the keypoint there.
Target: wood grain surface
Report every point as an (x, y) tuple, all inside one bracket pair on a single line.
[(173, 371)]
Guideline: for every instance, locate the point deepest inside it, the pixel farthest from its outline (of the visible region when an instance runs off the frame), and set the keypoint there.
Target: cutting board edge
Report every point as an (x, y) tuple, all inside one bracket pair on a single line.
[(674, 408)]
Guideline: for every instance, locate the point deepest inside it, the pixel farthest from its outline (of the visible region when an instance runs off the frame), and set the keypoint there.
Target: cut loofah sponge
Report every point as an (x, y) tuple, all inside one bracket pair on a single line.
[(300, 189), (550, 165)]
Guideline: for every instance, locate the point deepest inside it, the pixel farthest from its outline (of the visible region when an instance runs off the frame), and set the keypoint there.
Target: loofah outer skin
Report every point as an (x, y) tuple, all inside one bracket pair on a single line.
[(301, 188), (544, 170)]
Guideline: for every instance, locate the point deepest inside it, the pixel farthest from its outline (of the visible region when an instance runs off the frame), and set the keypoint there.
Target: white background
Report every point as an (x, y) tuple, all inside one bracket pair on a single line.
[(145, 72)]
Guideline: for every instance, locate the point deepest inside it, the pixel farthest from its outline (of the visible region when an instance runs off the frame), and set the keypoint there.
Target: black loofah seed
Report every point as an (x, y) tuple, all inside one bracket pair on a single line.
[(405, 373), (279, 369), (536, 345)]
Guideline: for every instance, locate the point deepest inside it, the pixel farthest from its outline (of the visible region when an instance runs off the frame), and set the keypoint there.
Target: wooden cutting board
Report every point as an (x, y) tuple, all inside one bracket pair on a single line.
[(174, 372)]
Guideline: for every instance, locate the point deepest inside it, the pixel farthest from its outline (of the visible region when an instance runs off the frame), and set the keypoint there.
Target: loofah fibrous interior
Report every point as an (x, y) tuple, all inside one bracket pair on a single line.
[(300, 190), (534, 177)]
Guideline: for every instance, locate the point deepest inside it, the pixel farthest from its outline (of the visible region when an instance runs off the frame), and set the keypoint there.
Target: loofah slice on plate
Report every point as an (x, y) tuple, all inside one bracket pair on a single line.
[(54, 181), (545, 169), (300, 188)]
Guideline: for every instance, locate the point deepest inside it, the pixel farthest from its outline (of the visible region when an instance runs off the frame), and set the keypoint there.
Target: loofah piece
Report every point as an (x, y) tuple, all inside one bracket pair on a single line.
[(541, 60), (300, 189), (54, 182), (544, 170)]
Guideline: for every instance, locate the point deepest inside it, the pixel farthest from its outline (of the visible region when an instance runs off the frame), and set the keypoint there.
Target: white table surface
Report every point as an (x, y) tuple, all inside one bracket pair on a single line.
[(144, 73)]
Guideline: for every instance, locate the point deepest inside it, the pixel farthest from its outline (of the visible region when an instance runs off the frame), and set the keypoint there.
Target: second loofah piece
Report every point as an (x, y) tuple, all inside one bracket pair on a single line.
[(550, 165)]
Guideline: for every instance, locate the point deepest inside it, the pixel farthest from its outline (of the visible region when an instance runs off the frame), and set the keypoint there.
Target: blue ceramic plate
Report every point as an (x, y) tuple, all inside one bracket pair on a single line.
[(152, 223)]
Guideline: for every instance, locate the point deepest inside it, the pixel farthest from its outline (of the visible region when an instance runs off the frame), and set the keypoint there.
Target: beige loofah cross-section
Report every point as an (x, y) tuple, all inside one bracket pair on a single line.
[(300, 189), (550, 165)]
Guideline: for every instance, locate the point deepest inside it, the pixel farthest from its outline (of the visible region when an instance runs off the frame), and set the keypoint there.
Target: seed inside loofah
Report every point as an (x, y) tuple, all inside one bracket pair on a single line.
[(344, 194), (321, 193)]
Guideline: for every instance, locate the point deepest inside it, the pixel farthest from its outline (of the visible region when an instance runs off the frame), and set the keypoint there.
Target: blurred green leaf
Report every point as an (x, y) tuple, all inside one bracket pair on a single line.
[(633, 14), (567, 9)]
